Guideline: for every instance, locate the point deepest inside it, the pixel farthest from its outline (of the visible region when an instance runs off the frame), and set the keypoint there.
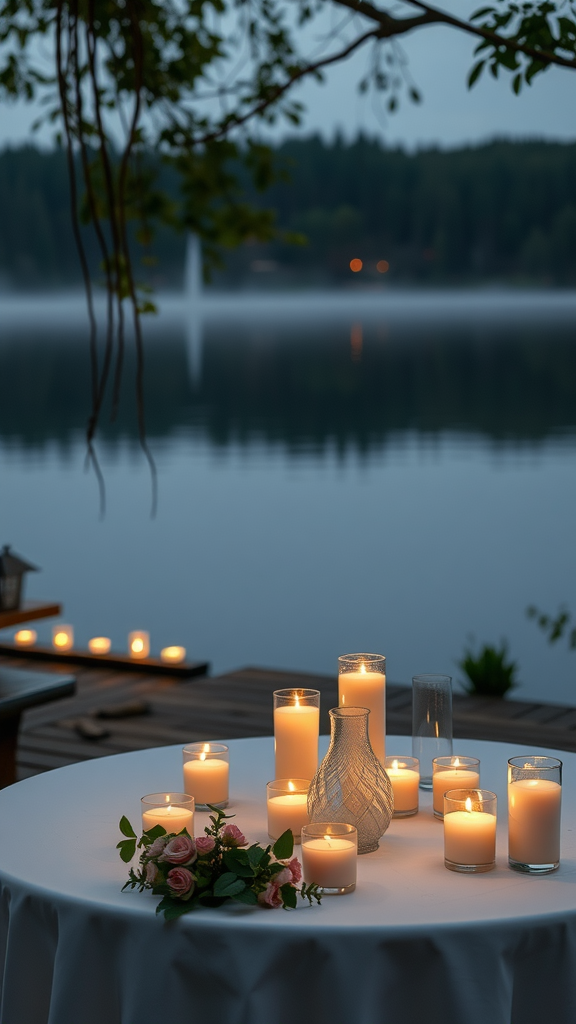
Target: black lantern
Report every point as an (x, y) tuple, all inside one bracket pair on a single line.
[(12, 569)]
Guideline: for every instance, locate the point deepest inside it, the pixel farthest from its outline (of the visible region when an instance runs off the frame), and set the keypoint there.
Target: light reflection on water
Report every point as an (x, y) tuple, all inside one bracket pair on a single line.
[(350, 484)]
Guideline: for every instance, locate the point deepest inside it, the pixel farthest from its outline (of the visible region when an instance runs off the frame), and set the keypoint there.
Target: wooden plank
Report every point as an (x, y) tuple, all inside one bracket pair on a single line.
[(29, 612)]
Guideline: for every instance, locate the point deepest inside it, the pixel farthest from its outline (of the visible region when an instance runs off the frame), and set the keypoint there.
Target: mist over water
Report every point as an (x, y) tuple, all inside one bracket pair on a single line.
[(352, 475)]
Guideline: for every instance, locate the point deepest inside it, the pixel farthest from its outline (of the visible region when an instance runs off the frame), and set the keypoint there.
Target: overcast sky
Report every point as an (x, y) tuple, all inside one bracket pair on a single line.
[(450, 114)]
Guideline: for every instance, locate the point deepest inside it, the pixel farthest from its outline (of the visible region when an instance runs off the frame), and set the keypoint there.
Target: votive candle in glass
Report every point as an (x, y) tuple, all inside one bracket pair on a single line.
[(99, 645), (174, 811), (362, 684), (534, 800), (454, 772), (25, 637), (63, 638), (287, 806), (139, 644), (296, 730), (470, 830), (172, 655), (404, 775), (206, 773), (329, 856)]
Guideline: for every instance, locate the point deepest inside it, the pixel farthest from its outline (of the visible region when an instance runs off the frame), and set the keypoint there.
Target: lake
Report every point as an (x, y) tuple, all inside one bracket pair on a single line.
[(390, 472)]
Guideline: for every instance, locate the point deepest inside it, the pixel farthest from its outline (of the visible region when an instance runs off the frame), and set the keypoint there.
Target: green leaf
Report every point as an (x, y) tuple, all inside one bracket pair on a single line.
[(238, 862), (255, 854), (246, 896), (475, 73), (173, 909), (284, 846), (126, 828), (228, 885), (289, 895), (153, 833), (127, 849)]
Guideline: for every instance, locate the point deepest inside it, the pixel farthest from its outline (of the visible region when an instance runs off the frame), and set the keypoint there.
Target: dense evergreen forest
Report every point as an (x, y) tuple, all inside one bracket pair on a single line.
[(500, 212)]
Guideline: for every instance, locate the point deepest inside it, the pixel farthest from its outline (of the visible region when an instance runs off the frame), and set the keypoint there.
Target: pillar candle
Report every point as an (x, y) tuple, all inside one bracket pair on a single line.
[(287, 810), (470, 837), (364, 689), (405, 784), (534, 821), (99, 645), (173, 819), (206, 779), (330, 862), (452, 778), (296, 729)]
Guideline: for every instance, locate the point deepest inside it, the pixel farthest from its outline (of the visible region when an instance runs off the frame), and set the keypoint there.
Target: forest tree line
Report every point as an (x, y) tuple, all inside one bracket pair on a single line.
[(499, 212)]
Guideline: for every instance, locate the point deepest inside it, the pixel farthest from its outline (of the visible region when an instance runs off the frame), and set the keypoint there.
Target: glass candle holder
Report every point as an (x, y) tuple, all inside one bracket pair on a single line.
[(99, 645), (206, 768), (287, 806), (534, 800), (404, 775), (172, 655), (139, 644), (455, 772), (63, 638), (431, 722), (470, 830), (173, 811), (329, 856), (296, 730), (25, 637), (362, 684)]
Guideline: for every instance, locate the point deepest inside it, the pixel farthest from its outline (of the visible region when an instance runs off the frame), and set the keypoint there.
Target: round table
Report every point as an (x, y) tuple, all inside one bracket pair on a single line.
[(415, 944)]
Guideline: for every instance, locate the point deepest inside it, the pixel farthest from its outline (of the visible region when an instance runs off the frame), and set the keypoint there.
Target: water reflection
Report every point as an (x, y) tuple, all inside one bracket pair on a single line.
[(355, 386)]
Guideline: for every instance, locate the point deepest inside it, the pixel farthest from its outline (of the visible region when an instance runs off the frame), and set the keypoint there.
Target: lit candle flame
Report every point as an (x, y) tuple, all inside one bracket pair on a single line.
[(61, 639), (395, 764), (456, 762), (291, 787), (468, 803), (363, 669), (206, 748), (528, 765), (327, 838), (297, 701), (137, 646), (26, 637), (202, 756)]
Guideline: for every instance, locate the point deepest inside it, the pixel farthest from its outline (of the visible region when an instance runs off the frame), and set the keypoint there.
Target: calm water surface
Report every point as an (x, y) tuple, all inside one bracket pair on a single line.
[(338, 482)]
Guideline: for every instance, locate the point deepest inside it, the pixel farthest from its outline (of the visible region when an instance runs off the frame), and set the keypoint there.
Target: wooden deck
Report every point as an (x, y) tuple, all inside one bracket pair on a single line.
[(234, 705)]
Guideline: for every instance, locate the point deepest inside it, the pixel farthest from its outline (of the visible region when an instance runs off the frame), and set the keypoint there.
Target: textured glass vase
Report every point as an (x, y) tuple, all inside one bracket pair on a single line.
[(351, 784)]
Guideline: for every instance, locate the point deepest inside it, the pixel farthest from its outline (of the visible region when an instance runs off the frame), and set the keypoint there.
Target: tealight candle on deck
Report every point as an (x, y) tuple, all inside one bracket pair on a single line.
[(25, 637), (139, 644), (296, 730), (287, 806), (404, 775), (470, 830), (99, 645), (174, 811), (534, 801), (454, 772), (329, 856), (362, 684), (63, 638), (172, 655), (206, 773)]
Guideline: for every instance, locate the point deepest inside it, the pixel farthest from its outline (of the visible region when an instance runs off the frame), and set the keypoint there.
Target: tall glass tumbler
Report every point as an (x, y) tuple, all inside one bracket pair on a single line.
[(534, 799), (431, 722)]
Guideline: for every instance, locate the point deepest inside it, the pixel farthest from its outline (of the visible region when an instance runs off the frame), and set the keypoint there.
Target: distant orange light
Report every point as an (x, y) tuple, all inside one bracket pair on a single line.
[(355, 266), (382, 266)]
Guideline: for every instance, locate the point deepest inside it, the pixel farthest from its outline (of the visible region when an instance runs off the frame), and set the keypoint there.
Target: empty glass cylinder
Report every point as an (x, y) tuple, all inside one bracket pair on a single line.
[(431, 722)]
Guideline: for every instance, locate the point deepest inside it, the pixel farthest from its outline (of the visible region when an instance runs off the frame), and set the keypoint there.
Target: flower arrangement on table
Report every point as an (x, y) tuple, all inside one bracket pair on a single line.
[(214, 868)]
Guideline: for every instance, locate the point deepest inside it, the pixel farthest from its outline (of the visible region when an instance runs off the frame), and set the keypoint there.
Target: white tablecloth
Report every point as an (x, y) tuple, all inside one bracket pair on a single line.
[(415, 944)]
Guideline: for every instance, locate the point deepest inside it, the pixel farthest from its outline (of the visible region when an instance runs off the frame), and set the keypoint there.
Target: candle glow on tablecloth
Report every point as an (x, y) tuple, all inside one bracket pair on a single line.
[(25, 637), (206, 773), (365, 688), (296, 730), (470, 831)]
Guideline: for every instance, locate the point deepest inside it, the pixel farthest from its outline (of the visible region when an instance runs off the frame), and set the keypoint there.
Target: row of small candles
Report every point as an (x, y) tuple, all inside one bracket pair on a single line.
[(138, 644)]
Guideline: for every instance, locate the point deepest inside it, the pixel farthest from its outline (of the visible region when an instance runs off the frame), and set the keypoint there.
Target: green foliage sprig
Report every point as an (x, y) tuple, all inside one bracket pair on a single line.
[(555, 626), (211, 870), (489, 672)]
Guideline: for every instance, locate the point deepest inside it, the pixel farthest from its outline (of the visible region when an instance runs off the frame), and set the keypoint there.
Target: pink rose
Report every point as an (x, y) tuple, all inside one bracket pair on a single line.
[(157, 847), (180, 850), (181, 881), (232, 836), (282, 877), (270, 897), (205, 844), (151, 872), (296, 869)]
